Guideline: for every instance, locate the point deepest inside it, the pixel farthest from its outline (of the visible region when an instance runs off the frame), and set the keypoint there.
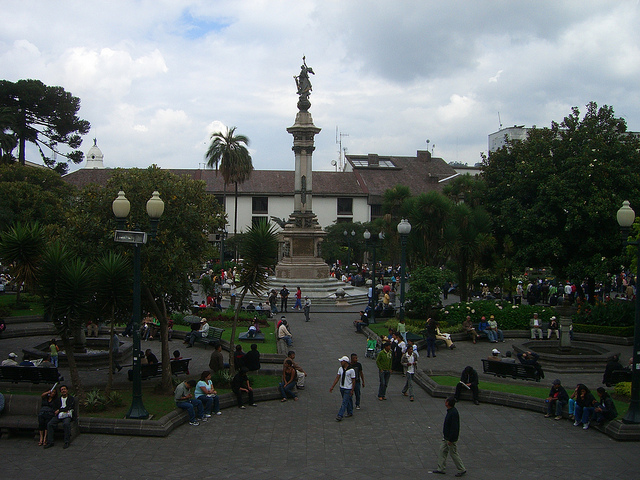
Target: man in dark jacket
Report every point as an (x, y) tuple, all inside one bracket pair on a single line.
[(252, 358), (240, 383), (558, 398), (449, 445), (468, 381), (64, 412), (531, 358)]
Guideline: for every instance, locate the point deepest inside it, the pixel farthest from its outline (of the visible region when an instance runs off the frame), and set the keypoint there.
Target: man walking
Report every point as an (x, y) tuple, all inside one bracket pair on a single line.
[(357, 367), (449, 445), (347, 378), (383, 362)]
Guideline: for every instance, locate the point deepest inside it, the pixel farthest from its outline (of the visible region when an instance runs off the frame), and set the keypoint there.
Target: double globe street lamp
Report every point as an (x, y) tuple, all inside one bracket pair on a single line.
[(404, 229), (374, 297), (121, 208), (626, 216), (346, 235)]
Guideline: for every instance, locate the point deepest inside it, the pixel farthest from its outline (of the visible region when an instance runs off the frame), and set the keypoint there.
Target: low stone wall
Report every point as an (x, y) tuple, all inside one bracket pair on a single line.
[(616, 429)]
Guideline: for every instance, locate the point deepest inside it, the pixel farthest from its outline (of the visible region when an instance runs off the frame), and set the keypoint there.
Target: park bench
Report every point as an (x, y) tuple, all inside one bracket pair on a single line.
[(213, 336), (16, 374), (21, 414), (155, 369), (618, 376), (513, 370)]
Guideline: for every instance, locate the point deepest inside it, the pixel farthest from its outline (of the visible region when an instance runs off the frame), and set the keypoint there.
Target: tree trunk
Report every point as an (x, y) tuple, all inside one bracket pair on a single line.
[(232, 369), (166, 385), (73, 368), (235, 222), (107, 390), (21, 153)]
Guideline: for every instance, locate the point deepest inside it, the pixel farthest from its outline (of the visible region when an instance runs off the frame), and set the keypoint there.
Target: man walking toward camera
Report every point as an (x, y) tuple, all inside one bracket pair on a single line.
[(449, 445)]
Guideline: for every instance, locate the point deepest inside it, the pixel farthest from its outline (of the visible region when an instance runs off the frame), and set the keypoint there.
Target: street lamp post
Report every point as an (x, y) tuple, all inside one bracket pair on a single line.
[(374, 239), (626, 217), (404, 228), (346, 234), (121, 208)]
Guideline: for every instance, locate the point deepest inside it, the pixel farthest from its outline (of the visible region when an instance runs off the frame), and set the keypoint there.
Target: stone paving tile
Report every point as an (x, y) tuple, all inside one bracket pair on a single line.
[(303, 440)]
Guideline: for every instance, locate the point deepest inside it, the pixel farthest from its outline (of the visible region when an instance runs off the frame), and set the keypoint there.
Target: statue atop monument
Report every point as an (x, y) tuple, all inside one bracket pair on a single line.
[(304, 85)]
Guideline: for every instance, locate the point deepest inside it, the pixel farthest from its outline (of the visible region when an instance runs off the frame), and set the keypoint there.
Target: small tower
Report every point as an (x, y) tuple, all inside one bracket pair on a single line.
[(94, 156)]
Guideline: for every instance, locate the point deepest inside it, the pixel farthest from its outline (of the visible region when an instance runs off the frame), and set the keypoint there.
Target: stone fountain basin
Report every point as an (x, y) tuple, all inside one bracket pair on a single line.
[(96, 354), (579, 357)]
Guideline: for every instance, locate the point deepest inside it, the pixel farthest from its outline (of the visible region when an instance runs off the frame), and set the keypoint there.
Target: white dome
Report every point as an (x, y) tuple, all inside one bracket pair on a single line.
[(94, 157)]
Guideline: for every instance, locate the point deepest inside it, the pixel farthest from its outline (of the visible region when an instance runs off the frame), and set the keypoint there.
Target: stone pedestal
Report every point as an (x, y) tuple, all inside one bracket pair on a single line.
[(565, 320)]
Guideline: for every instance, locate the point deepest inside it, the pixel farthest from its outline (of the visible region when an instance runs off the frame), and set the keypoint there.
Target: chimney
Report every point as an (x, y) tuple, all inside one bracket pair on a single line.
[(424, 155), (373, 160)]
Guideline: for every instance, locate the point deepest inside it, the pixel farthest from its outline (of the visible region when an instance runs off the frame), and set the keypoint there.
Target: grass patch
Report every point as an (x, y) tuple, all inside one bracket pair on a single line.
[(379, 329), (33, 303), (527, 390), (269, 345), (160, 405)]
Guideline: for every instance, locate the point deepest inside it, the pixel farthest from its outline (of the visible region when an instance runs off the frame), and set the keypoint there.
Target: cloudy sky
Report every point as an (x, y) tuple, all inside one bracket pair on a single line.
[(157, 77)]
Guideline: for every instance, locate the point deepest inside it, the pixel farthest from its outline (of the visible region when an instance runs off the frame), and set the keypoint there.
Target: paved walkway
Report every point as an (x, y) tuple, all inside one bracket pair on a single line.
[(302, 439)]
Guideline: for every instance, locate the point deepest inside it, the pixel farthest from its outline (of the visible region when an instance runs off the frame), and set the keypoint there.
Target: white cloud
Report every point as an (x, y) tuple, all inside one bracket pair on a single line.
[(156, 78)]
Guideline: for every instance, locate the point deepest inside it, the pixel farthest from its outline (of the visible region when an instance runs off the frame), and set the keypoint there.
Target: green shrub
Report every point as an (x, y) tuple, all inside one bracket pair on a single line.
[(604, 330), (115, 399), (5, 311), (95, 401), (508, 316), (623, 388), (426, 287), (613, 313)]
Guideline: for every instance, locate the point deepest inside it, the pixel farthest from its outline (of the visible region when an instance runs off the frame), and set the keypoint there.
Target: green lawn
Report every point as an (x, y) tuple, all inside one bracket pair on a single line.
[(269, 346), (36, 306), (160, 405), (527, 390)]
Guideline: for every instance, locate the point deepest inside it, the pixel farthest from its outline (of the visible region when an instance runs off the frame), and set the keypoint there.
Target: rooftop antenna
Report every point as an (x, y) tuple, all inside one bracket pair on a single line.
[(499, 121), (341, 161)]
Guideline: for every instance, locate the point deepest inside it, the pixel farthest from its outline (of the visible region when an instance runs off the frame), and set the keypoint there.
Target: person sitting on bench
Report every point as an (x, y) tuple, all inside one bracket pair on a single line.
[(64, 407), (202, 332)]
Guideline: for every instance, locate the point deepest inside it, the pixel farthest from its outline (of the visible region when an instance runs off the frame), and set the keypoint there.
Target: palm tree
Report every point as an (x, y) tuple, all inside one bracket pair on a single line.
[(259, 251), (22, 246), (229, 153), (113, 293), (67, 286)]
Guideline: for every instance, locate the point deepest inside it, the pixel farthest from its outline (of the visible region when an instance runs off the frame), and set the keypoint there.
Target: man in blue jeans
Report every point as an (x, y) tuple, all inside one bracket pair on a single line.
[(187, 401), (347, 378)]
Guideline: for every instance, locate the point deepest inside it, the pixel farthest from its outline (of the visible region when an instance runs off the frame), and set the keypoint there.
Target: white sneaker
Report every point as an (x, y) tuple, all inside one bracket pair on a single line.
[(207, 415), (218, 413), (586, 426), (576, 423), (195, 424)]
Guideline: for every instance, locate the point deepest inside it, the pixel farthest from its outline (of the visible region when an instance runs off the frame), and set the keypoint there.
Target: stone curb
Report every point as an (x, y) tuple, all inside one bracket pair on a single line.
[(617, 430), (165, 425)]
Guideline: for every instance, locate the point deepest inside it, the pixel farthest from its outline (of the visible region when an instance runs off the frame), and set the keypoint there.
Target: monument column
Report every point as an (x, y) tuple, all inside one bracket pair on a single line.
[(302, 234)]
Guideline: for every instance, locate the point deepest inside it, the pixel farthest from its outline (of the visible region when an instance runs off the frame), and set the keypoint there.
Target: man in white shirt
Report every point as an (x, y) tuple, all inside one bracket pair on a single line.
[(536, 331), (203, 332), (346, 376)]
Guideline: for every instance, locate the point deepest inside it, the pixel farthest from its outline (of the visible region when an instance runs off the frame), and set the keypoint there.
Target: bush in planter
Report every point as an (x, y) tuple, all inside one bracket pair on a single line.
[(95, 401), (614, 313), (623, 388), (604, 330)]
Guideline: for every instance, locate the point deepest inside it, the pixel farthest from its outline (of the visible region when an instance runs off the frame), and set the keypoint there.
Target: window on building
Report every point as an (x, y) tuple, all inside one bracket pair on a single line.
[(345, 206), (220, 200), (376, 211), (344, 220), (260, 205)]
